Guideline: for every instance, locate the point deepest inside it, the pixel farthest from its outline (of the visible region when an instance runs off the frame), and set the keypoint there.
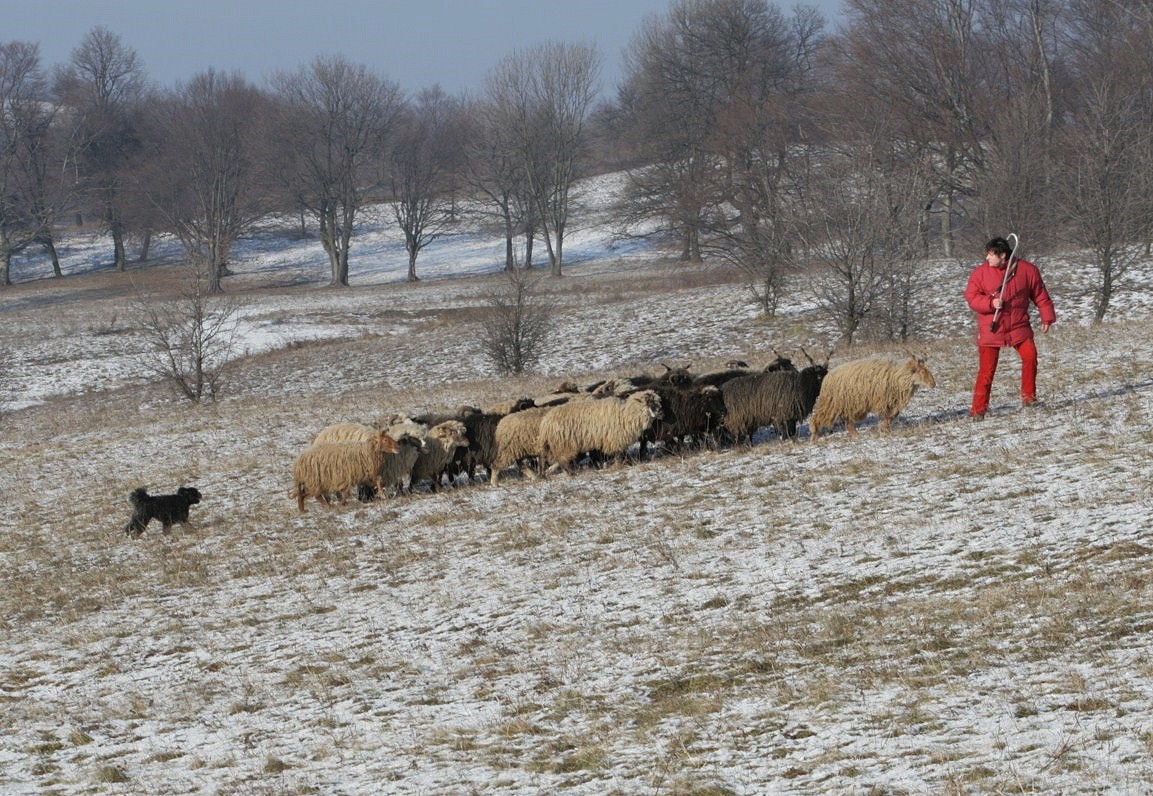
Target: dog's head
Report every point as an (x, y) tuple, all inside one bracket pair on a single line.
[(190, 494), (138, 496)]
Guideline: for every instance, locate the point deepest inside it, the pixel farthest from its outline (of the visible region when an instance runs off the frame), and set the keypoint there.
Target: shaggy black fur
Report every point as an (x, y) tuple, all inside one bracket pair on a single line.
[(168, 509)]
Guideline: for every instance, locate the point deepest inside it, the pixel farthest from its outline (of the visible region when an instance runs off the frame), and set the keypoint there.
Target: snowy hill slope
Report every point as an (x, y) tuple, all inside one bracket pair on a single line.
[(955, 607)]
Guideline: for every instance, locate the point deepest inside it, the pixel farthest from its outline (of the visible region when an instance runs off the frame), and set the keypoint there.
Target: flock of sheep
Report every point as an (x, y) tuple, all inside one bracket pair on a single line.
[(602, 421)]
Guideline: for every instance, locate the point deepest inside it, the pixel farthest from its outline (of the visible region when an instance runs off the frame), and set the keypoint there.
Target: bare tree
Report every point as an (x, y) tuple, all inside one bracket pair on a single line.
[(714, 102), (847, 233), (190, 341), (668, 105), (711, 104), (865, 228), (1105, 151), (496, 172), (208, 179), (517, 324), (924, 60), (103, 86), (544, 97), (32, 180), (333, 135), (425, 158), (1027, 89)]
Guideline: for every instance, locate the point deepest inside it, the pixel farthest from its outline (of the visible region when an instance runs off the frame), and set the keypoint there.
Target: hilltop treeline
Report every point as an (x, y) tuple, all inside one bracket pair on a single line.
[(751, 136)]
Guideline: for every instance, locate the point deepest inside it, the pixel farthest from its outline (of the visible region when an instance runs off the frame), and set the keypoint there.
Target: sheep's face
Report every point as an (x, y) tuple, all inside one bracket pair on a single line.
[(451, 434), (714, 403), (522, 403), (651, 401), (676, 377), (920, 374), (410, 441), (387, 444), (817, 373)]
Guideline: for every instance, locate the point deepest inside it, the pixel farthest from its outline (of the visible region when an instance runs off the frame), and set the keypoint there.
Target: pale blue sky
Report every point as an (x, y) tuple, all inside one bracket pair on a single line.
[(417, 43)]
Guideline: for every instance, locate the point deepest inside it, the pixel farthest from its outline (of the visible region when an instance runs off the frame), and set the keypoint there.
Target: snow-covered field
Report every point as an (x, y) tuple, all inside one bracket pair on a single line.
[(954, 608)]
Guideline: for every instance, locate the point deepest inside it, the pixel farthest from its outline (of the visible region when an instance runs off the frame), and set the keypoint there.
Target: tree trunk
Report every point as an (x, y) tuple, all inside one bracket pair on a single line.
[(119, 258), (50, 247), (555, 257), (509, 241), (213, 268), (412, 277), (330, 240), (1105, 292)]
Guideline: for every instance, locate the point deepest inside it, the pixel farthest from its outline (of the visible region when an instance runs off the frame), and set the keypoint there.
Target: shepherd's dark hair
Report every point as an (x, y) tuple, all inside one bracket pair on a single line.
[(998, 246)]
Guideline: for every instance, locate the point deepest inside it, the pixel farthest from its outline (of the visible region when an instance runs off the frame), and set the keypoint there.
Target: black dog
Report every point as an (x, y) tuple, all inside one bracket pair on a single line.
[(168, 509)]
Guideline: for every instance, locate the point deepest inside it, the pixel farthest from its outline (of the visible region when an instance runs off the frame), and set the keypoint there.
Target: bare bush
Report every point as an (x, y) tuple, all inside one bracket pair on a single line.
[(517, 324), (190, 340)]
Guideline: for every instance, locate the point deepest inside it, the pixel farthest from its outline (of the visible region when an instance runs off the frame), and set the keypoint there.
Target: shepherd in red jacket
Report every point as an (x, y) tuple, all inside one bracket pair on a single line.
[(1012, 328)]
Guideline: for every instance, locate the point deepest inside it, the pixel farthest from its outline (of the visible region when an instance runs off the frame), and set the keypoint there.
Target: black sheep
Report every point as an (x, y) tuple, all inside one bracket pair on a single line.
[(691, 416), (779, 398)]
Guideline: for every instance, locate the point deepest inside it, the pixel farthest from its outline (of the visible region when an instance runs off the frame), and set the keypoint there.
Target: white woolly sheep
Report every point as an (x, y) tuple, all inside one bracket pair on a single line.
[(609, 425), (481, 450), (346, 432), (439, 448), (873, 384), (330, 467), (517, 438)]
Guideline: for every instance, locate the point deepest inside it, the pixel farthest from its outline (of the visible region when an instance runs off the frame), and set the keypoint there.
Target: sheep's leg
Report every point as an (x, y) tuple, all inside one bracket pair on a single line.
[(849, 427)]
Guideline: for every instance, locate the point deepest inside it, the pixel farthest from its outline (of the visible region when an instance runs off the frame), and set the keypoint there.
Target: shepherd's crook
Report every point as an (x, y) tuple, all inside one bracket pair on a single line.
[(1008, 272)]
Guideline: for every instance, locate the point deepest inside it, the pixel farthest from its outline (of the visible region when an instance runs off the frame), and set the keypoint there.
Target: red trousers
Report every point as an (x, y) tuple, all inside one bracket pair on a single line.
[(988, 356)]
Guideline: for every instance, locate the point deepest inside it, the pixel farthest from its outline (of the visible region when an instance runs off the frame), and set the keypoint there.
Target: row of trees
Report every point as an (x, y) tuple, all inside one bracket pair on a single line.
[(921, 129), (751, 136), (212, 158)]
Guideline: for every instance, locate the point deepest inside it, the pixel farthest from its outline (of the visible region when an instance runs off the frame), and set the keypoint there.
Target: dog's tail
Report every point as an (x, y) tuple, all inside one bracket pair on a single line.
[(138, 496)]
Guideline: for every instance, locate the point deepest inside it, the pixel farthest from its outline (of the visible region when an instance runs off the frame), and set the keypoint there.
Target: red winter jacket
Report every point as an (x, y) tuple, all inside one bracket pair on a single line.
[(1024, 286)]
